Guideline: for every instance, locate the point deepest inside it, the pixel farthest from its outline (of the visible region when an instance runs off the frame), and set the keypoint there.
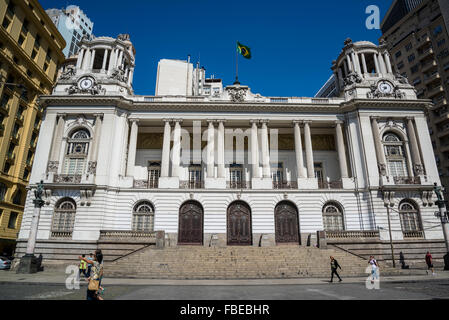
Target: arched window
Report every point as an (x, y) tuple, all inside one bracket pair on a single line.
[(410, 219), (64, 215), (77, 151), (333, 217), (395, 155), (143, 216)]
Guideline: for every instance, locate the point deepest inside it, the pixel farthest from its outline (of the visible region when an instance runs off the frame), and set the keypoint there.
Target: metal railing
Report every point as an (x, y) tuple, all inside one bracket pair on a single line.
[(191, 184), (330, 184), (145, 184), (238, 184), (285, 185)]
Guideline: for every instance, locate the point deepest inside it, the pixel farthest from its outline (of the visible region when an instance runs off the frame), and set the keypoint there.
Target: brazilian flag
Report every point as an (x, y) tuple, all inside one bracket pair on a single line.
[(244, 50)]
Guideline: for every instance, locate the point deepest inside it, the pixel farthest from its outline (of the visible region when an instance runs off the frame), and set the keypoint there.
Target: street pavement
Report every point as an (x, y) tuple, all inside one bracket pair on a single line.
[(51, 286)]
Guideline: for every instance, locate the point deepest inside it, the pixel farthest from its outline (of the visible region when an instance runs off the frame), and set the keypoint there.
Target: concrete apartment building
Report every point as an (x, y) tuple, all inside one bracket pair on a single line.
[(30, 51), (416, 33), (73, 24)]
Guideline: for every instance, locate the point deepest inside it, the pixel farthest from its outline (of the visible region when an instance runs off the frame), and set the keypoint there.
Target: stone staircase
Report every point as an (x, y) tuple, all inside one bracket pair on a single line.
[(194, 262)]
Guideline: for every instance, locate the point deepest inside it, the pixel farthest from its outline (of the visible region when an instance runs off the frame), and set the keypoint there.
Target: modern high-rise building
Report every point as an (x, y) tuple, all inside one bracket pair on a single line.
[(30, 52), (416, 34), (73, 24)]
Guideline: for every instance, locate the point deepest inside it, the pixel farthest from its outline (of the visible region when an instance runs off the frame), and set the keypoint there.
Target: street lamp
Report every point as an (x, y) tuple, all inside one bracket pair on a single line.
[(29, 263), (442, 214), (389, 202)]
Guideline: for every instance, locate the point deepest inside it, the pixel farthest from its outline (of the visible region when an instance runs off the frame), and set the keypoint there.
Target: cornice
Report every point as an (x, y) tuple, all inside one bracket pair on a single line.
[(228, 106)]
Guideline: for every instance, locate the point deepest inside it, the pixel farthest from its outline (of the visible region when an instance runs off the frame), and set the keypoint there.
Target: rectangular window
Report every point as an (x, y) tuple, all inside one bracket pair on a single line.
[(195, 176), (154, 173), (277, 172), (400, 65), (236, 175), (441, 42), (397, 168), (398, 54), (12, 220), (437, 30), (74, 166), (411, 58), (319, 174), (414, 69), (416, 81), (3, 190), (408, 47)]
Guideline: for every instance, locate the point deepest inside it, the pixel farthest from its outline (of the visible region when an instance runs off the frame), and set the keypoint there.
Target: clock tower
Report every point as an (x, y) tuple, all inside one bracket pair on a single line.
[(104, 66), (363, 70)]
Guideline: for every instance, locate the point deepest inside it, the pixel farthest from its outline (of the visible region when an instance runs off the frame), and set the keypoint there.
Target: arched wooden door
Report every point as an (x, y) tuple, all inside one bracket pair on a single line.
[(286, 223), (239, 224), (191, 223)]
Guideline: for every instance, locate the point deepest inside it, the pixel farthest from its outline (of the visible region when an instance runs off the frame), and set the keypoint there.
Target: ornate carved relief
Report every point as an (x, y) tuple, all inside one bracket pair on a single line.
[(92, 167), (376, 94), (119, 74), (352, 78), (237, 93), (68, 73), (52, 166)]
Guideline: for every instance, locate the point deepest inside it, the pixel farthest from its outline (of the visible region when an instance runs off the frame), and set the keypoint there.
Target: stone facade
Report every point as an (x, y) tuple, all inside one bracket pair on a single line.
[(236, 168)]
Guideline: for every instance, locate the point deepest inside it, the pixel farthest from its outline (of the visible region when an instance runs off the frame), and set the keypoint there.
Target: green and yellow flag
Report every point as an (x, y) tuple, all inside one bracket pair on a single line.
[(244, 50)]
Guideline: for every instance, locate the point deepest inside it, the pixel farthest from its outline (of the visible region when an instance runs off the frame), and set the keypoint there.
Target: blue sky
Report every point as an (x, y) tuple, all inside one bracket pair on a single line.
[(293, 43)]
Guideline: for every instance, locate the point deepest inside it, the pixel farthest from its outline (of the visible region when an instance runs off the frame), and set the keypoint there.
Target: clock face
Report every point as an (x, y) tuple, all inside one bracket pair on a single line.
[(86, 83), (385, 87)]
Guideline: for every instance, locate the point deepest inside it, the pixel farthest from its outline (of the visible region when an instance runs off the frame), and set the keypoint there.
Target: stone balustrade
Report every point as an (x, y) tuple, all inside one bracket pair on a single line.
[(352, 234)]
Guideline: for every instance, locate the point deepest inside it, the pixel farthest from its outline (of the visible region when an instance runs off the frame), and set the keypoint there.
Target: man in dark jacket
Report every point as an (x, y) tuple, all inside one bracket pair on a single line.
[(334, 266)]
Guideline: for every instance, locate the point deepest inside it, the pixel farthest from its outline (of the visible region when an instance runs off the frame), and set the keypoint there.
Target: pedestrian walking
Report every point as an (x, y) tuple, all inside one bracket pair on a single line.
[(94, 280), (334, 266), (429, 262), (374, 269), (82, 267), (89, 266)]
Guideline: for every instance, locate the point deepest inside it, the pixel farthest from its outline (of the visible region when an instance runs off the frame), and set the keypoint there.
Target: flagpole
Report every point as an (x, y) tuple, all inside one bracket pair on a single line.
[(236, 67)]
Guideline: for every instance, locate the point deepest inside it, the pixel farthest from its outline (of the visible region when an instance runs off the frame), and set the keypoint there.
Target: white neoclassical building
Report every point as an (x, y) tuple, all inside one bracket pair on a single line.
[(225, 166)]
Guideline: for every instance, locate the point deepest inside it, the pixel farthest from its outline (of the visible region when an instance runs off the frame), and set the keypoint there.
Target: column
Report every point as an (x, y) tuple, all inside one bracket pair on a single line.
[(340, 77), (380, 155), (355, 60), (221, 150), (132, 148), (80, 58), (92, 59), (383, 69), (112, 60), (266, 171), (119, 60), (388, 62), (309, 152), (298, 151), (96, 139), (350, 66), (57, 138), (176, 156), (365, 69), (86, 60), (130, 77), (165, 161), (341, 150), (417, 165), (210, 150), (376, 64), (254, 150), (105, 59)]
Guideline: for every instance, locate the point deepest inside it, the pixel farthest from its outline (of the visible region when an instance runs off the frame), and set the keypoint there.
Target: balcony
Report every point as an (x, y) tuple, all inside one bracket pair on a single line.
[(423, 41), (238, 184), (191, 184), (431, 78), (425, 53), (407, 180), (330, 184), (145, 184), (435, 91), (428, 65), (67, 178), (285, 185), (413, 234)]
